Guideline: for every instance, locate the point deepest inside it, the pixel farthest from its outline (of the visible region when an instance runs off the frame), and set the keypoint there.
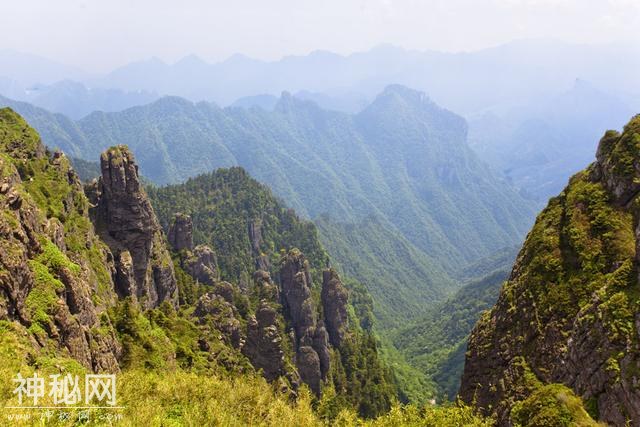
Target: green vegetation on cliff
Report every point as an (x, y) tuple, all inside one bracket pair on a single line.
[(552, 405), (569, 310)]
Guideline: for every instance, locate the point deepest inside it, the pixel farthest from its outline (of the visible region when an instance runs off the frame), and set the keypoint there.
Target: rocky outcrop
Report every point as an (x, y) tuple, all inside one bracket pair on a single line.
[(617, 167), (264, 344), (311, 340), (125, 281), (180, 233), (222, 315), (295, 281), (569, 311), (255, 238), (48, 252), (308, 365), (320, 344), (126, 222), (334, 303), (264, 286), (201, 264)]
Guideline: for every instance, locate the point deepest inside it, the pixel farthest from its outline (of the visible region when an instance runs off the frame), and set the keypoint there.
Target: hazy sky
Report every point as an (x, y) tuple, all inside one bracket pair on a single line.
[(101, 34)]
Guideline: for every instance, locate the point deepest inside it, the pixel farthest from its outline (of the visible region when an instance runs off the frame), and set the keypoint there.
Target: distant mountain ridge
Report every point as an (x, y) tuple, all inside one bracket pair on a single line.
[(467, 82), (457, 80), (540, 145)]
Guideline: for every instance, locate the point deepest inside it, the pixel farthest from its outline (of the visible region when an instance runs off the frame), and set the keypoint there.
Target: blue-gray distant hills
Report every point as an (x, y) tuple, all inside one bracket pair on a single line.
[(518, 72), (540, 145), (400, 198)]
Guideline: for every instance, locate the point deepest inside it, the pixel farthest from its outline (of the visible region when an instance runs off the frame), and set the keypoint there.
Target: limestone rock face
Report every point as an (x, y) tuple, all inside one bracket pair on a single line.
[(223, 315), (616, 166), (202, 265), (295, 280), (308, 364), (334, 302), (321, 345), (311, 338), (126, 222), (180, 233), (255, 237), (569, 311), (47, 281), (124, 279), (264, 342), (55, 230)]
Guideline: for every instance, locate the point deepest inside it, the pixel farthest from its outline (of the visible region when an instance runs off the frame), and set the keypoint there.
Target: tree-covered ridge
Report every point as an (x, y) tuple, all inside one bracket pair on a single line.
[(240, 219), (569, 312), (249, 230), (229, 209), (364, 246)]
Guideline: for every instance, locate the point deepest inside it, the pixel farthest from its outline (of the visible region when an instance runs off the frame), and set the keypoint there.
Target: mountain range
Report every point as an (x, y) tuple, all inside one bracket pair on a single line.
[(398, 178), (466, 82), (385, 220), (533, 107), (538, 146)]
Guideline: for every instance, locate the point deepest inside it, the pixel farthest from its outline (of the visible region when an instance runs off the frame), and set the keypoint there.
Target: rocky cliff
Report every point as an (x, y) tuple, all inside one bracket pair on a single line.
[(55, 273), (180, 233), (334, 303), (126, 222), (311, 338), (570, 313)]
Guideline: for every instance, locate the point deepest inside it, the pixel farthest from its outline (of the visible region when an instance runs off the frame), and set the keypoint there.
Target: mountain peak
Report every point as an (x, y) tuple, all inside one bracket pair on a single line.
[(573, 282), (172, 103), (154, 60), (239, 59), (191, 60), (9, 116), (129, 226), (412, 96), (397, 103), (617, 162), (289, 103)]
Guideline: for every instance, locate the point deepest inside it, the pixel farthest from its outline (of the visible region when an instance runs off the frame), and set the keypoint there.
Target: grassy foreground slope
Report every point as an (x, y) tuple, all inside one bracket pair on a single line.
[(169, 397)]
